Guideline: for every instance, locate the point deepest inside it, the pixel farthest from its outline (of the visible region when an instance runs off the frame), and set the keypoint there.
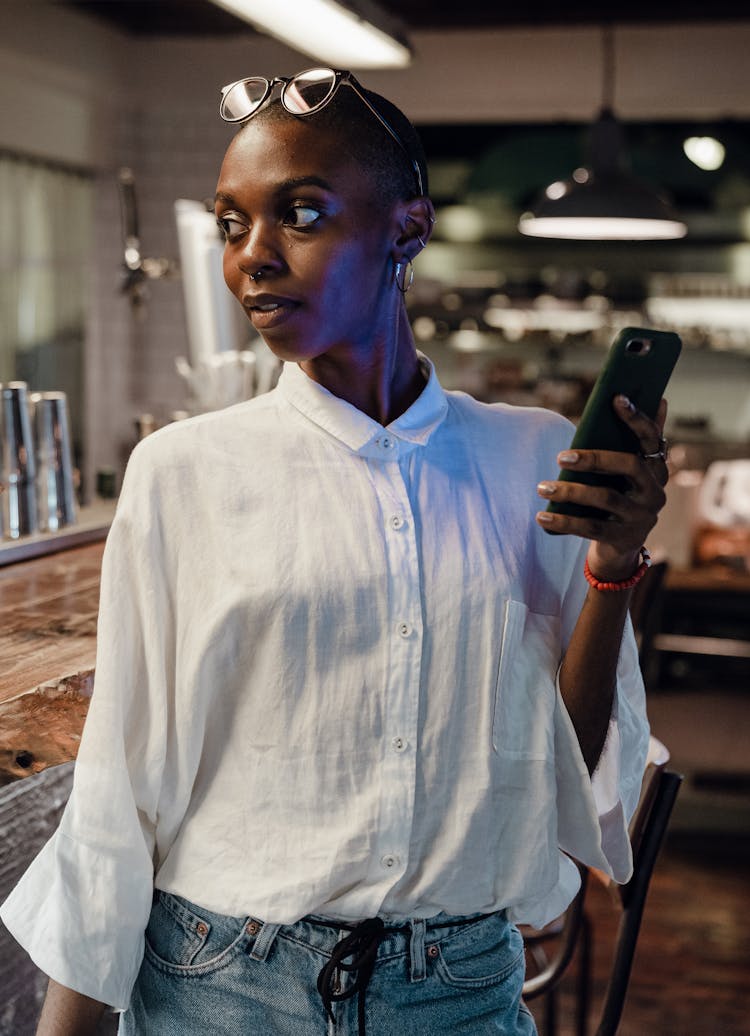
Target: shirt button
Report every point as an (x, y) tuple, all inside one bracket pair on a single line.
[(404, 629), (396, 521), (399, 744), (386, 442), (389, 860)]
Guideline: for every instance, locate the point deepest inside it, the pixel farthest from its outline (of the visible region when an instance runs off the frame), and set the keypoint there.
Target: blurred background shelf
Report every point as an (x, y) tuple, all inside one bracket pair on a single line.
[(92, 526)]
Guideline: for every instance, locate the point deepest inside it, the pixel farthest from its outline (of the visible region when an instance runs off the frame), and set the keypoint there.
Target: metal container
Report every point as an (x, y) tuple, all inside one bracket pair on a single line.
[(17, 462), (54, 467)]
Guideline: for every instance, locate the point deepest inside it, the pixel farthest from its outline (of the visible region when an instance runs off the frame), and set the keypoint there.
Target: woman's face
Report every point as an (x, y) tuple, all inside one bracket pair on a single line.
[(292, 208)]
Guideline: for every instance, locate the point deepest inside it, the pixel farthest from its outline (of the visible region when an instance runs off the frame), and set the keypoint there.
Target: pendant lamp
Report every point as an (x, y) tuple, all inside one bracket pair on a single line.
[(603, 200)]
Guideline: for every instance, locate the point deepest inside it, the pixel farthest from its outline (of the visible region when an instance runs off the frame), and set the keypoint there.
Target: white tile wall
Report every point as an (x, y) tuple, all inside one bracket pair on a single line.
[(174, 153)]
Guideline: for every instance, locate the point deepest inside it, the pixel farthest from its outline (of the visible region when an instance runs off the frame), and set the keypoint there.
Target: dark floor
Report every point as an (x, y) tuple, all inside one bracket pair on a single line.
[(691, 975)]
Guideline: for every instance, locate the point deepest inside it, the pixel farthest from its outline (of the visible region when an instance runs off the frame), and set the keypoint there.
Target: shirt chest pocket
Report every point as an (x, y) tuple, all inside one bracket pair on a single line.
[(525, 690)]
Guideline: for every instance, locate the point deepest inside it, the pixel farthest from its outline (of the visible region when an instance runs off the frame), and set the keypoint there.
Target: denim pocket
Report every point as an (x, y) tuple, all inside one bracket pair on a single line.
[(481, 955), (184, 937)]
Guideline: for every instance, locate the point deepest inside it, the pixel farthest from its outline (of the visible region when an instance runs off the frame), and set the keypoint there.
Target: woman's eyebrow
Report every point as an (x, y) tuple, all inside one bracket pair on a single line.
[(285, 187), (304, 181)]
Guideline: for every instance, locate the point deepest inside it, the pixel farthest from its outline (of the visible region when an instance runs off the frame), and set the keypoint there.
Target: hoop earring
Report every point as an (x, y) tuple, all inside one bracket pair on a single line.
[(400, 275)]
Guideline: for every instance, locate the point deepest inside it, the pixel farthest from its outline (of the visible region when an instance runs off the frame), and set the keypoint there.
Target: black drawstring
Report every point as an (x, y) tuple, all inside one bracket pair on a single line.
[(361, 944)]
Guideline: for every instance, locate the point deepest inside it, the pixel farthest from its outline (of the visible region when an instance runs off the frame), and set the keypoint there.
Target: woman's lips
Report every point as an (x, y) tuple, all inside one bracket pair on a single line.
[(267, 311)]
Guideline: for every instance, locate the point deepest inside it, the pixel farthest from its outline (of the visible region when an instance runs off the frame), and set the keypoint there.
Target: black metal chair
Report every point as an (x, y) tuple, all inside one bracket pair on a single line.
[(573, 932)]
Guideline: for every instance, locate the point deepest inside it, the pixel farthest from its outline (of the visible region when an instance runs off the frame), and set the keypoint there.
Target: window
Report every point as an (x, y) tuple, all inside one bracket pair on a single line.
[(45, 238)]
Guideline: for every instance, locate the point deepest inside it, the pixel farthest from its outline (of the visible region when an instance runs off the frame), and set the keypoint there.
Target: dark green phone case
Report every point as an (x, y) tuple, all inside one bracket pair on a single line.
[(638, 366)]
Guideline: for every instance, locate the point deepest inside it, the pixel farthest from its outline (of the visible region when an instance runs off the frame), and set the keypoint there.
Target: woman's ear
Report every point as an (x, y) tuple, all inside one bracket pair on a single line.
[(416, 218)]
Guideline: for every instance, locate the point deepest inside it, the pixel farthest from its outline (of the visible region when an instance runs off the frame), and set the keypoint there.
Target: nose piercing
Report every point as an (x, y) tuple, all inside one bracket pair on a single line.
[(256, 276)]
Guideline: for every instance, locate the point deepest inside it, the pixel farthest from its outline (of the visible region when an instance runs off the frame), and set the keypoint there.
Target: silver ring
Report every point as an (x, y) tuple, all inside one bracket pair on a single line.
[(662, 453), (256, 276)]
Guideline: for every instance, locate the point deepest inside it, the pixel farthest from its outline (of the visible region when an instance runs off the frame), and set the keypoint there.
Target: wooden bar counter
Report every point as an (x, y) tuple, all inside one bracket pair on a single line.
[(48, 611)]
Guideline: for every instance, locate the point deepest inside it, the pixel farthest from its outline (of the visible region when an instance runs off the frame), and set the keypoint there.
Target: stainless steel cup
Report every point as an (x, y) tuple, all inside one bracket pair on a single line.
[(54, 466), (18, 462)]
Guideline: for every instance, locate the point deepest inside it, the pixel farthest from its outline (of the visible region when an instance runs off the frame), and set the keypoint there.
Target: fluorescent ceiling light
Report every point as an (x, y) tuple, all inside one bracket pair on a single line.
[(328, 31)]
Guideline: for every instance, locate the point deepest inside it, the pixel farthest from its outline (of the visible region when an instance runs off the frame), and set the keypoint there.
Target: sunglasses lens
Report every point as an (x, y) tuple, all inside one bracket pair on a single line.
[(241, 100), (309, 90)]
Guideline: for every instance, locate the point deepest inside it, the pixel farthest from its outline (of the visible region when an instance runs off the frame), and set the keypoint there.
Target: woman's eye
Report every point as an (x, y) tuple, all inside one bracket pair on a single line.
[(231, 229), (302, 216)]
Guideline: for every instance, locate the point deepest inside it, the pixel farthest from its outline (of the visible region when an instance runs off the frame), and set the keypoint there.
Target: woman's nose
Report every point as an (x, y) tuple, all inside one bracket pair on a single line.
[(260, 251)]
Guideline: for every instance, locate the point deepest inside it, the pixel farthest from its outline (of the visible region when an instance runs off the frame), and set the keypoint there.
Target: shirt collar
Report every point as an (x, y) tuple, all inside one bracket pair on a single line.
[(354, 428)]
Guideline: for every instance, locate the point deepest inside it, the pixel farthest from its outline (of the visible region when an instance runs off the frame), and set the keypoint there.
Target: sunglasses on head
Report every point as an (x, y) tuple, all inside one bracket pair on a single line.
[(303, 94)]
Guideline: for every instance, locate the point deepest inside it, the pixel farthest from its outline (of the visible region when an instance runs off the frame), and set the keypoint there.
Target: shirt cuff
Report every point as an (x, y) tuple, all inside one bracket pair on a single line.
[(592, 824), (81, 917)]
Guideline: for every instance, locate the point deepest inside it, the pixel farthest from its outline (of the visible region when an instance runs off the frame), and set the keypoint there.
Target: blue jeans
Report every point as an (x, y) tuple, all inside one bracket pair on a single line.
[(225, 976)]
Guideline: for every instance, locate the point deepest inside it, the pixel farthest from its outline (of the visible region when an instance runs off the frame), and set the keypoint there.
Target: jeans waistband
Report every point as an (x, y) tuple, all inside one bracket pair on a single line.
[(357, 952)]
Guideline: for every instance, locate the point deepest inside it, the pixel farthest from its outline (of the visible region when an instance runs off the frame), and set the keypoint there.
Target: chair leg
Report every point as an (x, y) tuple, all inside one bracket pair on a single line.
[(633, 897), (583, 985), (550, 1013)]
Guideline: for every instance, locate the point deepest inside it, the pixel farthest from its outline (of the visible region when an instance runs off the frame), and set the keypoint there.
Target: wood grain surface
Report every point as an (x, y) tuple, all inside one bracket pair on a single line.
[(48, 612)]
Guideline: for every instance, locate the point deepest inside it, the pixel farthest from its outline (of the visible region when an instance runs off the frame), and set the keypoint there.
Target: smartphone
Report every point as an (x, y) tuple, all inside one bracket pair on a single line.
[(639, 365)]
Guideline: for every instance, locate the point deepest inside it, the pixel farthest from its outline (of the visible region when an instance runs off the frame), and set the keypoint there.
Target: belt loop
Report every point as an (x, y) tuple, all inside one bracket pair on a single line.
[(416, 950), (264, 940)]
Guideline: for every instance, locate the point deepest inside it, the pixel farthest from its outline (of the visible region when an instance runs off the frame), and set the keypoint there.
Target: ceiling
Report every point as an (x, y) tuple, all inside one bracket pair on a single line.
[(201, 17), (514, 162)]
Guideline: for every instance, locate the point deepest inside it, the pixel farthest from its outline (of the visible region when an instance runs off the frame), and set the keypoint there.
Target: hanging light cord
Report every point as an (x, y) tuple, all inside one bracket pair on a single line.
[(608, 66)]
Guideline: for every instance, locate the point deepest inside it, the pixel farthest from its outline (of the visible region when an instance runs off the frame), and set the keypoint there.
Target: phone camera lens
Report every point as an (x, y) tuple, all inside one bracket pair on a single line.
[(638, 346)]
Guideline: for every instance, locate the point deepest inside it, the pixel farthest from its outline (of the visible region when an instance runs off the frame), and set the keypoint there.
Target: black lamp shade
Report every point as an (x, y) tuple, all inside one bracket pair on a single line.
[(603, 201)]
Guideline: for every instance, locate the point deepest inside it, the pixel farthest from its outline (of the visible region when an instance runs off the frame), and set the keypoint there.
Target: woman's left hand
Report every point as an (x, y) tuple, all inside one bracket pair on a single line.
[(616, 541)]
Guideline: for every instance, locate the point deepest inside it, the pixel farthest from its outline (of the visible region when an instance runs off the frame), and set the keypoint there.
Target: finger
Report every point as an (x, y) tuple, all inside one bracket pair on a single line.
[(641, 473), (603, 462), (661, 414), (624, 532), (623, 507), (623, 537), (647, 430)]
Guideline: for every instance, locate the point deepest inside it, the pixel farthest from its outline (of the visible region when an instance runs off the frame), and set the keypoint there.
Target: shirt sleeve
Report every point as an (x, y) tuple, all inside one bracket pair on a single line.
[(594, 811), (81, 908)]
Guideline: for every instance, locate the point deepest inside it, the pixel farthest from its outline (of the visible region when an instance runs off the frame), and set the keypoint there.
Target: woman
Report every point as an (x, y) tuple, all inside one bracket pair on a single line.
[(349, 694)]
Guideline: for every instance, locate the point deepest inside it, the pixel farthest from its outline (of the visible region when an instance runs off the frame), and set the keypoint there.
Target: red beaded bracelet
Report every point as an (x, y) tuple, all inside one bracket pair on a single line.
[(623, 584)]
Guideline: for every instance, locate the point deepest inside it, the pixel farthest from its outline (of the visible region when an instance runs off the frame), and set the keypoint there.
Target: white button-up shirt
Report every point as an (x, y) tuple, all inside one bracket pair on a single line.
[(326, 683)]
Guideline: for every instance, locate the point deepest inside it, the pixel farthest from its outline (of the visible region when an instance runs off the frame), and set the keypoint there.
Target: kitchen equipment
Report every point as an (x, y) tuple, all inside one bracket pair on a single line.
[(215, 320), (17, 462), (54, 475)]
